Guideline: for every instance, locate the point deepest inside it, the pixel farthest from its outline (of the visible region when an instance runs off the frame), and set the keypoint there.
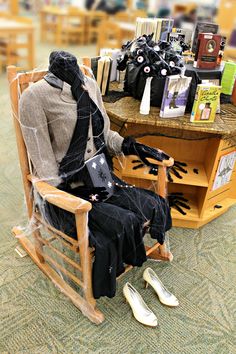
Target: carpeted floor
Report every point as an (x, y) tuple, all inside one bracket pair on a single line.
[(36, 318)]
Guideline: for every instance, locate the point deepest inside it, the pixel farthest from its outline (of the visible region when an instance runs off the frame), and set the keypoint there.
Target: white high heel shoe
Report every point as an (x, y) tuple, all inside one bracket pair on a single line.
[(164, 295), (141, 311)]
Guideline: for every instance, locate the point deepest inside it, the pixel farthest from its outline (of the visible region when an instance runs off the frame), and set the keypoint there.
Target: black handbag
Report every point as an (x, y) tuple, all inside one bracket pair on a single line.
[(135, 80)]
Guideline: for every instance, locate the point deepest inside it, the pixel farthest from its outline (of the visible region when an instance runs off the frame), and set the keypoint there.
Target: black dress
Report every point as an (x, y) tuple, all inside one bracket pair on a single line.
[(116, 230)]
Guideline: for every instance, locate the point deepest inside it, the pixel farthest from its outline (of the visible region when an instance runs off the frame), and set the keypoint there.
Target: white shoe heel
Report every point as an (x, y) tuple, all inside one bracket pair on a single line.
[(141, 311), (164, 295)]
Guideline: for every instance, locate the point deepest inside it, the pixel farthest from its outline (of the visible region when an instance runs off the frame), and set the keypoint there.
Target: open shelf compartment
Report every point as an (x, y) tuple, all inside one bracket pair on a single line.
[(190, 178)]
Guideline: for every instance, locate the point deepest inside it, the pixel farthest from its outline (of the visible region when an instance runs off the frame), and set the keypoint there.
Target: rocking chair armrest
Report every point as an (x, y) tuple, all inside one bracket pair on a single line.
[(164, 163), (59, 198)]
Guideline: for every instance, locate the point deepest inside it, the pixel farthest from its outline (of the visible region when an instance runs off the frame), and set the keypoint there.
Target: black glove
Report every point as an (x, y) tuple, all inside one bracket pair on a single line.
[(131, 147), (93, 194)]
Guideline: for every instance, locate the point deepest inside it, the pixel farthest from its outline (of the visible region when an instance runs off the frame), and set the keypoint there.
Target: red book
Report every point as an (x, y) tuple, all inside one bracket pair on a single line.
[(233, 97), (208, 47)]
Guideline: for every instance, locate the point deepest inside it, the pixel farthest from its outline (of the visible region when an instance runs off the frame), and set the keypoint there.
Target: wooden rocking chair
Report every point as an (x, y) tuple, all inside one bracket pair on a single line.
[(80, 208)]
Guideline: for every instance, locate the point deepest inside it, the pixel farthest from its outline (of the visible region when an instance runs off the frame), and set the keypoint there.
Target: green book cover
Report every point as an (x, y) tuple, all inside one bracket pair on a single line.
[(205, 103), (228, 78)]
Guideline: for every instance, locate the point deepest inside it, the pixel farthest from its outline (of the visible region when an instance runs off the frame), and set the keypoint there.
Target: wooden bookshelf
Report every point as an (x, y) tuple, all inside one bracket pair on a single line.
[(200, 146), (11, 7), (189, 178)]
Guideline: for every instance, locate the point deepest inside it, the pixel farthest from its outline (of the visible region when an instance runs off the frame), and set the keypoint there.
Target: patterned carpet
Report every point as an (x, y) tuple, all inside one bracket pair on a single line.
[(36, 318)]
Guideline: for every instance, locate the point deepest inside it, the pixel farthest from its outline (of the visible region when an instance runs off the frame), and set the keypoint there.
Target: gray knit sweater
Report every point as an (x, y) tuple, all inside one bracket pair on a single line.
[(48, 117)]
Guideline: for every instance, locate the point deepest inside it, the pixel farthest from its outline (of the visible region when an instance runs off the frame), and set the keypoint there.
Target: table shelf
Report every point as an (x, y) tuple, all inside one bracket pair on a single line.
[(190, 178)]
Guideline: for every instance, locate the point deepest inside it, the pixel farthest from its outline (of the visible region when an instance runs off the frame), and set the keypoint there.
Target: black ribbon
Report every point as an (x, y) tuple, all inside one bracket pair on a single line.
[(64, 66)]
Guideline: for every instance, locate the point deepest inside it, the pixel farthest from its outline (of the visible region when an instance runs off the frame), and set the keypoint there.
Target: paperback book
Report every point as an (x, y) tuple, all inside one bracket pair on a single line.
[(228, 78), (114, 54), (205, 103), (215, 82), (180, 35), (175, 96), (160, 27), (103, 74)]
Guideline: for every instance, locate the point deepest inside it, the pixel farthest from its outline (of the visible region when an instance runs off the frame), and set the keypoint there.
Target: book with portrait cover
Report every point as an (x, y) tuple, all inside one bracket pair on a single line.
[(175, 96), (205, 103), (207, 50)]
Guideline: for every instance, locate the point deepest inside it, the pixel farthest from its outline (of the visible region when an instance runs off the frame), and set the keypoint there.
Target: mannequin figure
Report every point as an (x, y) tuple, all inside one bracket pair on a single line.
[(64, 124)]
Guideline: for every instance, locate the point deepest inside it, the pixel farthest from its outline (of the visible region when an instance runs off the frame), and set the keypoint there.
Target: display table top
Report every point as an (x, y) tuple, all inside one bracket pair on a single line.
[(126, 110)]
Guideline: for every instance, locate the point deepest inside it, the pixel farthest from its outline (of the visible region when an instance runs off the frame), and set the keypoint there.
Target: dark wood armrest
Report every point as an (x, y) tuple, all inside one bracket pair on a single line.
[(59, 198)]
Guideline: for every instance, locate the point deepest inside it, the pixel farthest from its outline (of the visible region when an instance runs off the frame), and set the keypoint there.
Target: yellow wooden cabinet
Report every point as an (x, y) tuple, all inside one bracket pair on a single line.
[(200, 146)]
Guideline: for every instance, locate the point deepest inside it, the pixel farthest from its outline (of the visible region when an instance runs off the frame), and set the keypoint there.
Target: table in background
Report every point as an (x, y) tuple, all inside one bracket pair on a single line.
[(10, 31)]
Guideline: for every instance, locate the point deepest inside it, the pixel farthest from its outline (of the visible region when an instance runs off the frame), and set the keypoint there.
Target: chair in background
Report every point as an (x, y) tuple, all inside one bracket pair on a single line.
[(48, 23), (139, 13), (43, 246), (94, 20), (73, 26), (109, 36), (124, 16)]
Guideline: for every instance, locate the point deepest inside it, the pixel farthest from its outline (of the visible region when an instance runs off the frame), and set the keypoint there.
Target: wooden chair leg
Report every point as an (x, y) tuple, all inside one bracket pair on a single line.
[(92, 314), (86, 262), (161, 254)]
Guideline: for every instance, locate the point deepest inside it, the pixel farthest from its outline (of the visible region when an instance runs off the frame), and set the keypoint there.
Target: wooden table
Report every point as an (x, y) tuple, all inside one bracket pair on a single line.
[(9, 31), (201, 146), (127, 29), (57, 16), (52, 18)]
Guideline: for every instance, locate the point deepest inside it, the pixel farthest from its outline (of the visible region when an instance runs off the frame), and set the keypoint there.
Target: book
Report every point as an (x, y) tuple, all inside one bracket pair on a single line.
[(160, 27), (94, 66), (224, 170), (180, 35), (233, 97), (203, 27), (205, 103), (207, 50), (99, 173), (114, 54), (175, 96), (228, 78), (103, 74), (166, 28), (106, 76), (213, 82)]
